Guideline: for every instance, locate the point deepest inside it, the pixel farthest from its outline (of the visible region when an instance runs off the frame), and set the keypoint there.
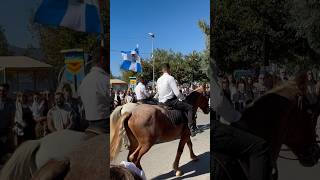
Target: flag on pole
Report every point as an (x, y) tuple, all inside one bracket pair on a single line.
[(74, 14), (131, 61)]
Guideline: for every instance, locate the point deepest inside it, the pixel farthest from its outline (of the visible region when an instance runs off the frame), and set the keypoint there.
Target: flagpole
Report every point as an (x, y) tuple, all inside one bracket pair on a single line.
[(103, 52), (152, 39)]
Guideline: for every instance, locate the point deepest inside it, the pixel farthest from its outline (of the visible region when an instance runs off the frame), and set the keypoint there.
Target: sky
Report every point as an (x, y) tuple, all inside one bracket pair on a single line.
[(15, 17), (174, 23)]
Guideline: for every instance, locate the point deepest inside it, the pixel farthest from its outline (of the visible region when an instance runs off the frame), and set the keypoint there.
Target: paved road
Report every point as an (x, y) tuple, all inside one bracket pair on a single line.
[(157, 163)]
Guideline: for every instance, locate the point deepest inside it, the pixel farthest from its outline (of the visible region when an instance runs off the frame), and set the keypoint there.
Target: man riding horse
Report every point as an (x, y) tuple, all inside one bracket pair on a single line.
[(169, 94), (142, 94)]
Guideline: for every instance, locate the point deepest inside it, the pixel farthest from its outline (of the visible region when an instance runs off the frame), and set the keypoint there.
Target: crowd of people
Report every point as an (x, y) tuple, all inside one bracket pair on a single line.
[(241, 91), (121, 97), (26, 115)]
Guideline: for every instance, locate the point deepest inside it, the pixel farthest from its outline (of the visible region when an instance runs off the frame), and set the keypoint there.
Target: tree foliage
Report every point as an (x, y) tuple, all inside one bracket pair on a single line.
[(256, 32), (185, 68)]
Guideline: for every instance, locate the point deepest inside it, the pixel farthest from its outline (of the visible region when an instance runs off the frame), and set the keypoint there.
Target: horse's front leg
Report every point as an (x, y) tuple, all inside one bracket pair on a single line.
[(192, 155), (182, 142)]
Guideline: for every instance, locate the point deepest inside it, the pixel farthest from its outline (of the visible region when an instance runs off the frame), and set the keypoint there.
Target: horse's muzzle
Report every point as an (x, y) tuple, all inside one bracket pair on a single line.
[(310, 157)]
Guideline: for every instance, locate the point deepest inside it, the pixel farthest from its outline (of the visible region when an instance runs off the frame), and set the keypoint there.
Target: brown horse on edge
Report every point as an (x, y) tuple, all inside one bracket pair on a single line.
[(149, 124)]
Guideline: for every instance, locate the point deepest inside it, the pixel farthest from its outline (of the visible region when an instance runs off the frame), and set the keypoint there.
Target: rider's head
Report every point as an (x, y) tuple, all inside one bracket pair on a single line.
[(98, 59), (141, 79), (165, 68)]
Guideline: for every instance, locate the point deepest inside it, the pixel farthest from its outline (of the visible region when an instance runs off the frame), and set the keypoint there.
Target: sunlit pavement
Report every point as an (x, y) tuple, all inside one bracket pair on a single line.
[(157, 163)]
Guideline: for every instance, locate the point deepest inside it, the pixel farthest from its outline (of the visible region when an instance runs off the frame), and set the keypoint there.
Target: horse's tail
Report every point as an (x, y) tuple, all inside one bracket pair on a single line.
[(21, 165), (114, 117), (120, 133)]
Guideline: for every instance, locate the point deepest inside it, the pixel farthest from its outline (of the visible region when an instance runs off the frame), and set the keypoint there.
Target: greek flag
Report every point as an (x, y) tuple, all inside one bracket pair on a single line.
[(74, 14), (131, 61)]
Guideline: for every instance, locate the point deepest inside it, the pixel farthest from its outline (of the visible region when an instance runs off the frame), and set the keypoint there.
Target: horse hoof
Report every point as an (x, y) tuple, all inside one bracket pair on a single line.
[(195, 158), (179, 173)]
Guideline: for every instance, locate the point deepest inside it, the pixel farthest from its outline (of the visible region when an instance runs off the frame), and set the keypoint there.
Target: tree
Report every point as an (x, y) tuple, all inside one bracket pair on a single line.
[(185, 68), (248, 33), (3, 43), (204, 63)]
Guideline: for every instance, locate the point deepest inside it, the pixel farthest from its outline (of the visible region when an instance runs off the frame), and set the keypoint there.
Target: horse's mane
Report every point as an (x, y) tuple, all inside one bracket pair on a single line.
[(288, 90), (291, 88)]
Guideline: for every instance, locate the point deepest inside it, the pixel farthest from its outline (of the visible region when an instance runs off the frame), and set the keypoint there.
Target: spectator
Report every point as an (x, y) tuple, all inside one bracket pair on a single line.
[(311, 88), (7, 110), (24, 122), (226, 88), (123, 173), (129, 97), (73, 103), (259, 87), (241, 98), (117, 99), (61, 116), (37, 108), (232, 84)]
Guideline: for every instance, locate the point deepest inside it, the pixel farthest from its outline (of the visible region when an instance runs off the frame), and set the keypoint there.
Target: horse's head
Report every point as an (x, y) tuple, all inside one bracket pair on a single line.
[(301, 137), (199, 99)]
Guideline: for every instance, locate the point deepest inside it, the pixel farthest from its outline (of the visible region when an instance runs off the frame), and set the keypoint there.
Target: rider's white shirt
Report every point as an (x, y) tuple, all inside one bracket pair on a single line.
[(141, 92), (167, 88), (93, 92)]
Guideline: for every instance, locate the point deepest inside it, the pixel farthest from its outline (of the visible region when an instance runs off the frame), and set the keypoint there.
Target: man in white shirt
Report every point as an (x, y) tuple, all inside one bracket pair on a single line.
[(61, 116), (142, 95), (169, 94), (94, 95)]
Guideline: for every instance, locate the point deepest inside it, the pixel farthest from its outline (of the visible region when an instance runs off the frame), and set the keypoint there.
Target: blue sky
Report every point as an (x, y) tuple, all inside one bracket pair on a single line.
[(15, 16), (174, 23)]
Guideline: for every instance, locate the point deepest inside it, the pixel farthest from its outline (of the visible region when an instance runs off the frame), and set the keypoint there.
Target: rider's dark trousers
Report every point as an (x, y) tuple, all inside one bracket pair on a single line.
[(240, 144), (180, 105), (148, 101)]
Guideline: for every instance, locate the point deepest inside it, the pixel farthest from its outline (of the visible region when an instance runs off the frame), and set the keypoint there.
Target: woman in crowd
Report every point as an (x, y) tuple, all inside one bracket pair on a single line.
[(241, 98), (24, 124), (73, 103), (39, 116), (226, 88)]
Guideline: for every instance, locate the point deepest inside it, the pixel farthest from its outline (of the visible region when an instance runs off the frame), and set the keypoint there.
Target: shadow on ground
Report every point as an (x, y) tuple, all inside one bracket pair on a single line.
[(202, 166), (204, 127)]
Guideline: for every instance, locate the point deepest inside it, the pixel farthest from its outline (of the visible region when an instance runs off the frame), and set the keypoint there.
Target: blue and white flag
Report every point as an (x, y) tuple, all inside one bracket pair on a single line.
[(131, 61), (74, 14)]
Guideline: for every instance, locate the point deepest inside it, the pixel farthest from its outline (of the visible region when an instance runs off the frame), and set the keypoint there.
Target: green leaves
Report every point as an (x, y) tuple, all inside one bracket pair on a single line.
[(260, 31), (186, 69)]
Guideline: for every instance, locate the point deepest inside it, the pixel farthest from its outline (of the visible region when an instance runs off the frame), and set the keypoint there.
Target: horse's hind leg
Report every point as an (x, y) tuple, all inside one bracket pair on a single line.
[(144, 149), (192, 155), (182, 142), (133, 154), (133, 147)]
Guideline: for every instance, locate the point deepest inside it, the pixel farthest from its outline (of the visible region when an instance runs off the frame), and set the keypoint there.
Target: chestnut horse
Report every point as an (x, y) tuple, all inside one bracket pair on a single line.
[(149, 124)]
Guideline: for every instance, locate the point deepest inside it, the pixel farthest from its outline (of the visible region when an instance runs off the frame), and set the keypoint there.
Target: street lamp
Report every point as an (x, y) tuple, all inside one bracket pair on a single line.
[(152, 38)]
